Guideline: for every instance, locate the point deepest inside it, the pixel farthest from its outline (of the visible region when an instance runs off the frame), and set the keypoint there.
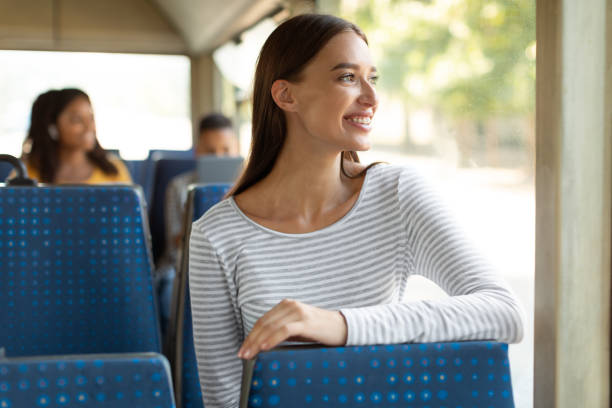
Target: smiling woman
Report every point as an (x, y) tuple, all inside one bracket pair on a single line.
[(63, 147), (313, 246)]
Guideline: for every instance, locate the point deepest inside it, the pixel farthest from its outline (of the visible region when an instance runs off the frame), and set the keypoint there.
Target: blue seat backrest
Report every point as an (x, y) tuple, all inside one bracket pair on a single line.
[(470, 374), (75, 272), (148, 174), (118, 381), (165, 171), (137, 171), (202, 198), (5, 170)]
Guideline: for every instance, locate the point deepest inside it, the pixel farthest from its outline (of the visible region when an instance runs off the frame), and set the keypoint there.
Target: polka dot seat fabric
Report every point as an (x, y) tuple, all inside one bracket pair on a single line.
[(189, 394), (75, 272), (434, 375), (87, 381)]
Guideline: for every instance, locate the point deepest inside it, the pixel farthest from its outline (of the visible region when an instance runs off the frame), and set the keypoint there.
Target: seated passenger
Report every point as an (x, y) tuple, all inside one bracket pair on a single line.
[(61, 145), (216, 137), (312, 245)]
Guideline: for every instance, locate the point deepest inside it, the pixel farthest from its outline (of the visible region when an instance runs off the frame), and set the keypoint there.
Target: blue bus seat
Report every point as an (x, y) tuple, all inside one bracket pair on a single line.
[(94, 380), (466, 374), (75, 271), (5, 170), (183, 360), (165, 171), (148, 174), (137, 171)]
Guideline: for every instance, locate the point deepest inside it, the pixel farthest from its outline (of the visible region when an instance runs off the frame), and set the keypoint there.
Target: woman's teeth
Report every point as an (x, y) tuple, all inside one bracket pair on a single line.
[(363, 120)]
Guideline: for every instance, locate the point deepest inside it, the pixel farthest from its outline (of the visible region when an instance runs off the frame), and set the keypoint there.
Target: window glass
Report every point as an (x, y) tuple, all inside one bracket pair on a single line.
[(140, 102), (457, 96), (236, 61)]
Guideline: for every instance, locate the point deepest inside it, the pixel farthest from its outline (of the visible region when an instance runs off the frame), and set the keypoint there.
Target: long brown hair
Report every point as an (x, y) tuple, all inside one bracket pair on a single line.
[(284, 55), (43, 153)]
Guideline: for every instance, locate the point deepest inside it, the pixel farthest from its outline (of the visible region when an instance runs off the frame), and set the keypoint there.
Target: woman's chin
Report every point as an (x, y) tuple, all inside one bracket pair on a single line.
[(360, 144), (363, 148)]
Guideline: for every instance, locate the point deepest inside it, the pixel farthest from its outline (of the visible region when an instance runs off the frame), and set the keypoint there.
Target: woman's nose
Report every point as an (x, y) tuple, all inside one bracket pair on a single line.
[(368, 95)]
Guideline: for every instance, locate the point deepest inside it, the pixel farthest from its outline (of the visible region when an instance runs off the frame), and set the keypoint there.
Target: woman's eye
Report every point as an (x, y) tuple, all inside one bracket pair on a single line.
[(373, 80), (347, 78)]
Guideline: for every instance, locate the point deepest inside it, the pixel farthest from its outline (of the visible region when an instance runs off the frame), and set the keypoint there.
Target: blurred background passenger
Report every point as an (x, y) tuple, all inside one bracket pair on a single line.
[(61, 145), (216, 137)]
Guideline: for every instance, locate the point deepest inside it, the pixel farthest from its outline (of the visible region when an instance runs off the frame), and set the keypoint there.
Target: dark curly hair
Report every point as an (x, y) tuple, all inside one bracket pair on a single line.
[(43, 154)]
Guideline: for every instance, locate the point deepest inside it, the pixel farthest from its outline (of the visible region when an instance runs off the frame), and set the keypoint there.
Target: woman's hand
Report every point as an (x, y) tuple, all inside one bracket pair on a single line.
[(293, 320)]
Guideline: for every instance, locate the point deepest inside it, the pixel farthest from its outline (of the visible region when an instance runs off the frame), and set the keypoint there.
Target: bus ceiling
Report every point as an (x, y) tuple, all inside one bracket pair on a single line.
[(185, 27)]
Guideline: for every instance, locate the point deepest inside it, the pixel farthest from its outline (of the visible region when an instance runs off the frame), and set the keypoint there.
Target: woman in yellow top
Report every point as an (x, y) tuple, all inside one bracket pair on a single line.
[(62, 142)]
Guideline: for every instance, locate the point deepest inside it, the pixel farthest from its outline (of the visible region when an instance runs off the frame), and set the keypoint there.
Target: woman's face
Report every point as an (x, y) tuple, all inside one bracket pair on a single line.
[(76, 126), (335, 95)]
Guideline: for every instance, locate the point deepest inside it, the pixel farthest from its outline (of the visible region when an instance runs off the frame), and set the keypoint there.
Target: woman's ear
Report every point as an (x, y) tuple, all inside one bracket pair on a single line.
[(281, 93)]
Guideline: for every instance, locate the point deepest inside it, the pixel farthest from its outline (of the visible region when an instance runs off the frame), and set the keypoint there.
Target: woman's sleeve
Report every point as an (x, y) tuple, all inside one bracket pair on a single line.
[(480, 306), (216, 330)]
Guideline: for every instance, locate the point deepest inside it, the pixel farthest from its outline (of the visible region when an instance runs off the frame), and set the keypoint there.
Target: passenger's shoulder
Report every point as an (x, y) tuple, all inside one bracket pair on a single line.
[(115, 160), (217, 215), (220, 227), (386, 170), (385, 176), (405, 181), (396, 173), (123, 174)]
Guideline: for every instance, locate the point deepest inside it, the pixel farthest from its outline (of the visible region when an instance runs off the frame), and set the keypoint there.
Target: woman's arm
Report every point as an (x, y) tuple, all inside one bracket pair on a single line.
[(297, 321), (481, 305), (216, 324)]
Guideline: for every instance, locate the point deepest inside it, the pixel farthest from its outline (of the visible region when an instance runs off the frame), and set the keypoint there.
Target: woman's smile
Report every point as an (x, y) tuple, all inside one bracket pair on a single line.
[(360, 120)]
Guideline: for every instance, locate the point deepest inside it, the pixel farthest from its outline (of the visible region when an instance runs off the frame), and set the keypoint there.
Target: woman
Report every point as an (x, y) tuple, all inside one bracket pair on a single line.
[(62, 145), (313, 246)]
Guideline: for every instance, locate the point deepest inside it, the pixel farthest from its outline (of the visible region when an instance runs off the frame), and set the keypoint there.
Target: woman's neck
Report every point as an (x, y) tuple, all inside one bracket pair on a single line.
[(74, 167), (73, 157), (305, 182), (305, 190)]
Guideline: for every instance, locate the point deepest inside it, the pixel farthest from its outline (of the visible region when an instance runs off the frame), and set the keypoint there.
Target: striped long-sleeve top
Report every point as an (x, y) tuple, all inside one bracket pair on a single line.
[(359, 265)]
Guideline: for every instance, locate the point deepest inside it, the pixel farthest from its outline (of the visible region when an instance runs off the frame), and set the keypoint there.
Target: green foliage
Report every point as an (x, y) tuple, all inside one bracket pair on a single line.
[(466, 58)]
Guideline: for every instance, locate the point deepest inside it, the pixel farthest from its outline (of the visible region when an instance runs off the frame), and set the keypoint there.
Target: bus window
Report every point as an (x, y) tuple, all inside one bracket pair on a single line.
[(141, 102)]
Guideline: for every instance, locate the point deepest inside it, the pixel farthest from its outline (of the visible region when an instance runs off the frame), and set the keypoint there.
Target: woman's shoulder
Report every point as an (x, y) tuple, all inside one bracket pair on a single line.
[(405, 182), (216, 220), (123, 174), (116, 161), (385, 175)]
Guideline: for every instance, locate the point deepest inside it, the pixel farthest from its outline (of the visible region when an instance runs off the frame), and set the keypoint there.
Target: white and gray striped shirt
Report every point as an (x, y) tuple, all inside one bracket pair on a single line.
[(358, 265)]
